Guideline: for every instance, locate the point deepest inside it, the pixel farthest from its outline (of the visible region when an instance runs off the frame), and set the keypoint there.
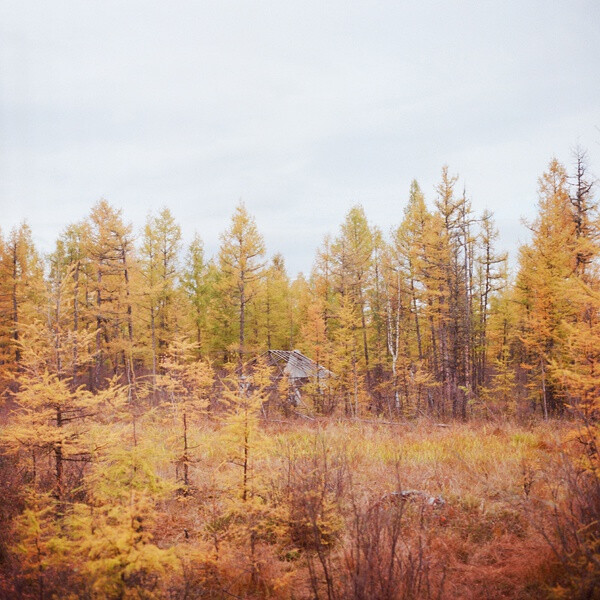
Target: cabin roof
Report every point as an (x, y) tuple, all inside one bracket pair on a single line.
[(295, 365)]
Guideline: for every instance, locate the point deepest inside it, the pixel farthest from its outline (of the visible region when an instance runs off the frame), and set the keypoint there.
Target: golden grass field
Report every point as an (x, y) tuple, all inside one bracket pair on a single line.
[(333, 509), (325, 521)]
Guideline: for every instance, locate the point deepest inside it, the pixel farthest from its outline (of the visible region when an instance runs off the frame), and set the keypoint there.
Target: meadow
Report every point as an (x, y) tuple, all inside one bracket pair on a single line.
[(323, 509)]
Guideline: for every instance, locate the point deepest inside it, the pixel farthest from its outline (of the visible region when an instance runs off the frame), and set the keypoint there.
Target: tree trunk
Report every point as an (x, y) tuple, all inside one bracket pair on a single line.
[(15, 306), (98, 331), (75, 321), (242, 317), (186, 479), (153, 332)]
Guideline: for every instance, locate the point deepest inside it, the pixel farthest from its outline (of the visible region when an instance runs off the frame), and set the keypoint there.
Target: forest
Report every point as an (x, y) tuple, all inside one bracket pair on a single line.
[(148, 449)]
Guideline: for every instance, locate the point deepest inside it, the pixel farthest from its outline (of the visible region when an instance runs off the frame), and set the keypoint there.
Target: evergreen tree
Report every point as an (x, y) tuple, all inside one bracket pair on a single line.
[(187, 383), (111, 255), (159, 258), (318, 347), (21, 292), (544, 266), (352, 255), (240, 259), (196, 289), (271, 307)]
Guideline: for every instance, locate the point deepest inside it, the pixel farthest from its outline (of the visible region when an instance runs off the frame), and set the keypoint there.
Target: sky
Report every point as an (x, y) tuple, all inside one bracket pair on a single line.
[(299, 109)]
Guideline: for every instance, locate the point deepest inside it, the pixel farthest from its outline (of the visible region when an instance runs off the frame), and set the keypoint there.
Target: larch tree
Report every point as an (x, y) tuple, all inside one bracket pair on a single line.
[(490, 278), (376, 306), (578, 367), (271, 307), (435, 308), (195, 283), (299, 298), (21, 291), (455, 316), (346, 359), (159, 259), (221, 319), (53, 415), (545, 264), (241, 263), (585, 215), (111, 254), (244, 396), (498, 390), (323, 272), (405, 285), (447, 266), (112, 532), (70, 269), (352, 254), (319, 348), (398, 327), (186, 383)]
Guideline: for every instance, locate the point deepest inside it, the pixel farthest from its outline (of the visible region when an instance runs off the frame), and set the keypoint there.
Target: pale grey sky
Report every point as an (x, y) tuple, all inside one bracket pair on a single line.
[(302, 109)]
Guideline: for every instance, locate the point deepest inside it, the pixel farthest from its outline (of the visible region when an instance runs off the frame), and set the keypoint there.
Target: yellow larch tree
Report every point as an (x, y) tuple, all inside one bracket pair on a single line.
[(111, 253), (21, 293), (186, 382), (352, 253), (159, 262), (195, 283), (317, 346), (544, 266), (241, 264)]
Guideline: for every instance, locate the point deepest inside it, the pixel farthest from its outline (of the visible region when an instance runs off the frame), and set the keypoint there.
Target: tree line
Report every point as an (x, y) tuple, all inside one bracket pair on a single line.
[(422, 320)]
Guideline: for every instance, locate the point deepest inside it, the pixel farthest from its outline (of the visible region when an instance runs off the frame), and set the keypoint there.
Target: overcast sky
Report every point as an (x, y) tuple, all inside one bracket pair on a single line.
[(302, 109)]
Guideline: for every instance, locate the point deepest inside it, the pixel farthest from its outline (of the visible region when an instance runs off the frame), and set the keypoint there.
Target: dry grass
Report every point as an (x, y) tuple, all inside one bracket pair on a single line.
[(323, 519), (485, 541)]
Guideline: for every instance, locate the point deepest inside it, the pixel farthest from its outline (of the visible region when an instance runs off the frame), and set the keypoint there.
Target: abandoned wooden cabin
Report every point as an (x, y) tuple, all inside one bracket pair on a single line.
[(296, 367)]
